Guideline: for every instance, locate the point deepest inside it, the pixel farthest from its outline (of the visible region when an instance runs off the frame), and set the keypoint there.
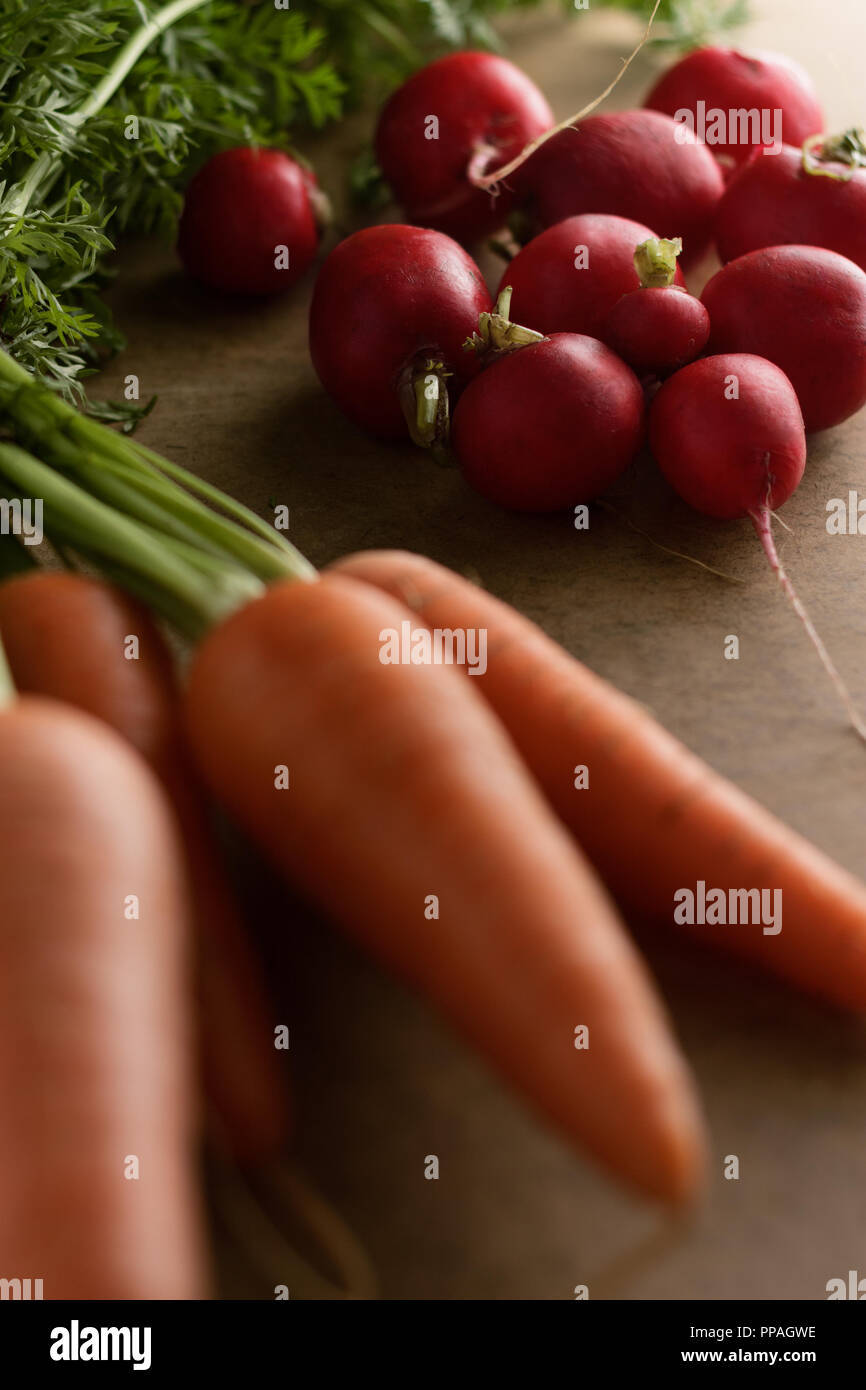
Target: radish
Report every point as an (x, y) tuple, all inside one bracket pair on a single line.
[(738, 101), (727, 433), (250, 221), (391, 310), (550, 422), (810, 197), (452, 120), (637, 164), (567, 279), (805, 309), (659, 326)]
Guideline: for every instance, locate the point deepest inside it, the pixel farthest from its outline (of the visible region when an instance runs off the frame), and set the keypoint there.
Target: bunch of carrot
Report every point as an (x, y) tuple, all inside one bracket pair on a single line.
[(409, 780)]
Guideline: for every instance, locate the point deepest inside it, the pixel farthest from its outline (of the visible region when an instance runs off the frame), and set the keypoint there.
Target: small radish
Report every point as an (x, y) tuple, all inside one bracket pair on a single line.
[(810, 197), (727, 433), (637, 164), (250, 221), (551, 422), (660, 326), (457, 117), (567, 279), (805, 309), (739, 101), (391, 310)]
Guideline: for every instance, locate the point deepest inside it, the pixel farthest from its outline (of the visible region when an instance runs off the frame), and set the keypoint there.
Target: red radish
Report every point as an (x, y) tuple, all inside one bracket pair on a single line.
[(659, 326), (548, 424), (805, 309), (391, 310), (249, 221), (809, 197), (637, 164), (566, 279), (459, 116), (728, 435), (95, 1062), (730, 99)]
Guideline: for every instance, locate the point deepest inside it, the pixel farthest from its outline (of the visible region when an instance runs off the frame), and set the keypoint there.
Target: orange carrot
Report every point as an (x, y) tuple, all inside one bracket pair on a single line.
[(97, 1143), (409, 815), (65, 636), (654, 819)]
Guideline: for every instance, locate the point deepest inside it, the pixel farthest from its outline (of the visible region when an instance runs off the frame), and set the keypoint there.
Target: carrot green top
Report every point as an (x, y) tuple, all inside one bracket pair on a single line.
[(142, 520)]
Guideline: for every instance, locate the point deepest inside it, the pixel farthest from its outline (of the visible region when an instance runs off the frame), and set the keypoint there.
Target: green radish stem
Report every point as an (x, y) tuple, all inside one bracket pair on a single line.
[(847, 149), (761, 519), (497, 333), (423, 399), (655, 261)]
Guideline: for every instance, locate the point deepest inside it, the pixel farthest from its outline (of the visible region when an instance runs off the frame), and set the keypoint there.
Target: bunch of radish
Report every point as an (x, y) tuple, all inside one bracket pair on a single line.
[(595, 342)]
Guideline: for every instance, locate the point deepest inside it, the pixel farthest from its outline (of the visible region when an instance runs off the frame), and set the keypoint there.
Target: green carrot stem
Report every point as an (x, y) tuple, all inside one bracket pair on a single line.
[(142, 483), (41, 412), (232, 508), (391, 33), (40, 173), (124, 450), (112, 488), (169, 510), (152, 596), (100, 532)]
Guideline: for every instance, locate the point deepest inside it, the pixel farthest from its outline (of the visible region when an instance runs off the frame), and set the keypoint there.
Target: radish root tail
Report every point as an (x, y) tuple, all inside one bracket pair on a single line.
[(489, 181), (666, 549), (761, 519)]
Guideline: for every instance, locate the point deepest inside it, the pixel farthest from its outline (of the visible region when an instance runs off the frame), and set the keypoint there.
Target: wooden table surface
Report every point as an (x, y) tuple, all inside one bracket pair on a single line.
[(379, 1082)]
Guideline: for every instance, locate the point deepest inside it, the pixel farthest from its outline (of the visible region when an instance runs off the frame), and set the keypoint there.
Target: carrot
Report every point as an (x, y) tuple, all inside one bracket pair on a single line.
[(65, 636), (654, 819), (403, 788), (94, 1062)]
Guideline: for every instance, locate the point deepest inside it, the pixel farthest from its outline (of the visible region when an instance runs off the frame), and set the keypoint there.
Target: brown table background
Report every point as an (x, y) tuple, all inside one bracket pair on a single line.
[(378, 1082)]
